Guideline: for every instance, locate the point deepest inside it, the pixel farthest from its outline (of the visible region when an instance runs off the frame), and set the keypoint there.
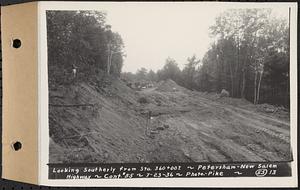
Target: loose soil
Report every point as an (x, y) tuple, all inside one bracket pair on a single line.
[(92, 122)]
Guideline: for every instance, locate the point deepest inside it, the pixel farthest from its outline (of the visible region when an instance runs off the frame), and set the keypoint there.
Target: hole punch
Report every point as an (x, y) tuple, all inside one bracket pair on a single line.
[(17, 146), (17, 43)]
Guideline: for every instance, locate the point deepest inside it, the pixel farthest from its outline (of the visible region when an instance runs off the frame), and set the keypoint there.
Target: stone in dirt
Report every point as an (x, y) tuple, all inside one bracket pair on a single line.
[(105, 155), (160, 128), (152, 136), (154, 132), (224, 93)]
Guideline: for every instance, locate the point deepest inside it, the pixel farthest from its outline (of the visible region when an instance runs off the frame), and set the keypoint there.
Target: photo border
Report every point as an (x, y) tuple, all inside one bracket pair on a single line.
[(160, 182)]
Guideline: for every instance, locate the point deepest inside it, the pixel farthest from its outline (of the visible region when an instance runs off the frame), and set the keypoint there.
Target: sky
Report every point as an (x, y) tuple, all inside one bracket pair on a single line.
[(152, 32)]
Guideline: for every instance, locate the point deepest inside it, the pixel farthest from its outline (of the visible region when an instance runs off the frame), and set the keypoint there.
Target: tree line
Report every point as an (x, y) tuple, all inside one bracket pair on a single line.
[(249, 58), (81, 41)]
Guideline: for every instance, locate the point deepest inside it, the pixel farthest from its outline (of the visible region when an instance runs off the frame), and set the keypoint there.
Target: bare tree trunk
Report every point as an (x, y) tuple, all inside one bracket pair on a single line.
[(232, 86), (237, 66), (243, 84), (255, 78), (258, 88), (107, 65), (231, 77), (108, 61)]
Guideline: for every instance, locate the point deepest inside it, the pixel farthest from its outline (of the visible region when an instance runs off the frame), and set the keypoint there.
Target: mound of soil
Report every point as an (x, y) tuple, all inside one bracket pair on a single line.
[(169, 86), (278, 111), (234, 101), (89, 123)]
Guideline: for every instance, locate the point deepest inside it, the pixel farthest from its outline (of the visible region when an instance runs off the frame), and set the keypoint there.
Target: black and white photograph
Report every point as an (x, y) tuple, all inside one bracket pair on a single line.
[(169, 83)]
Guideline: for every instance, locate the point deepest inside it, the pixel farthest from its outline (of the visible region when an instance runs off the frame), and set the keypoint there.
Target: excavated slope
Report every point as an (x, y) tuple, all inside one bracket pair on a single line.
[(109, 123)]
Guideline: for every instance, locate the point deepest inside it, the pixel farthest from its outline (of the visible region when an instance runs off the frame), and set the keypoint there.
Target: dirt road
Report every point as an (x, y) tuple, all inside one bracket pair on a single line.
[(212, 131), (173, 125)]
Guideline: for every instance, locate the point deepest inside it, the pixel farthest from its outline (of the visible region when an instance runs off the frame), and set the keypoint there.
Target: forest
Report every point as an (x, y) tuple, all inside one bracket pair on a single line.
[(249, 58), (81, 40)]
